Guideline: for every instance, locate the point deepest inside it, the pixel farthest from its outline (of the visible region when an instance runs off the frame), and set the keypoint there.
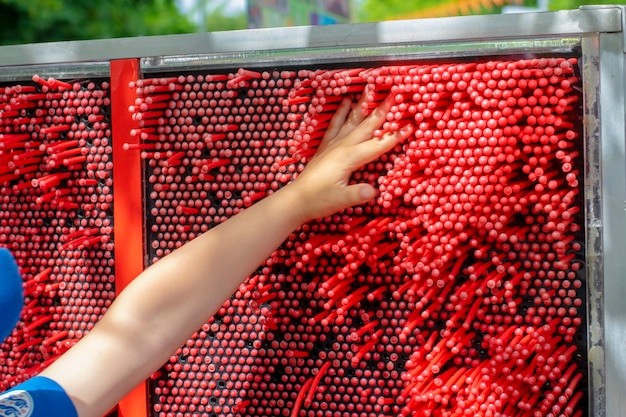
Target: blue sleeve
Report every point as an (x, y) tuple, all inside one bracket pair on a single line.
[(37, 397)]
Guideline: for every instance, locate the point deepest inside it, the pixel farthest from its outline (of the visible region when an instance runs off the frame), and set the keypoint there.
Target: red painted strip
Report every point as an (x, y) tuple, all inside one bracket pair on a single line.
[(127, 194)]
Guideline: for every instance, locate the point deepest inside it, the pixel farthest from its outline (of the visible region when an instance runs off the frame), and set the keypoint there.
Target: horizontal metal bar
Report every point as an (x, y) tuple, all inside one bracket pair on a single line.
[(356, 55), (64, 71), (403, 32)]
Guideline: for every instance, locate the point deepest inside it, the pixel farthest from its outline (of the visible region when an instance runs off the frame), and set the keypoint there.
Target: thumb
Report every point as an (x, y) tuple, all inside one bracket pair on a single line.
[(357, 194)]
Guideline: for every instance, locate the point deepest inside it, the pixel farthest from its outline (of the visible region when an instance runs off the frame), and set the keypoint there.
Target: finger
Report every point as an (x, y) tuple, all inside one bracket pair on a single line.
[(356, 194), (377, 117), (345, 196), (371, 149), (337, 121), (357, 115), (365, 130)]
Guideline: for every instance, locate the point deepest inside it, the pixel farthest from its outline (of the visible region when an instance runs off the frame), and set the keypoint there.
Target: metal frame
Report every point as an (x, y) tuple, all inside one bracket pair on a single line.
[(488, 35), (611, 226), (598, 31)]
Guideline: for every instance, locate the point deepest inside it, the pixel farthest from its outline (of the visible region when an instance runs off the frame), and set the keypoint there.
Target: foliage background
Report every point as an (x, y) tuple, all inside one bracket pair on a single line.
[(34, 21), (62, 20), (377, 10)]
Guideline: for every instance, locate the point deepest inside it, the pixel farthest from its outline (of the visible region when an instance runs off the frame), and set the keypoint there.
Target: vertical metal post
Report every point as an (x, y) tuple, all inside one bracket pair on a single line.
[(612, 126)]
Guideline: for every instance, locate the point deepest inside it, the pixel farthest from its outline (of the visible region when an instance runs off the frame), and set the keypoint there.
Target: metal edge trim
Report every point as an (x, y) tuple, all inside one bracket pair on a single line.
[(463, 28)]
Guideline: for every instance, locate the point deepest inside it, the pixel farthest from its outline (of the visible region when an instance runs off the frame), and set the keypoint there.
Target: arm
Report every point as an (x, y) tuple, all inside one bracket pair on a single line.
[(171, 300)]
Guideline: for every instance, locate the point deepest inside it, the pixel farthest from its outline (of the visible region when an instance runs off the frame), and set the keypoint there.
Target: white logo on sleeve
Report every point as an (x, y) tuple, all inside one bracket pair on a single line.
[(16, 404)]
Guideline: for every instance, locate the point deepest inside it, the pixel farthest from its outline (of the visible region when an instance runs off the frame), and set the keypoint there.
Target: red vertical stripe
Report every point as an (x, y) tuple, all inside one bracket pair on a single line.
[(127, 194)]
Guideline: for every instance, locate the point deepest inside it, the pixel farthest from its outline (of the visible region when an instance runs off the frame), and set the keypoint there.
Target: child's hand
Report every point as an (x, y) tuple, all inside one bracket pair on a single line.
[(323, 186)]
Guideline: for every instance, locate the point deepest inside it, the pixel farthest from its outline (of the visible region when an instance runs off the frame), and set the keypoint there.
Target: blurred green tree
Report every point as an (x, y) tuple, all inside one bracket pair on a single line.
[(218, 20), (575, 4), (377, 10), (64, 20)]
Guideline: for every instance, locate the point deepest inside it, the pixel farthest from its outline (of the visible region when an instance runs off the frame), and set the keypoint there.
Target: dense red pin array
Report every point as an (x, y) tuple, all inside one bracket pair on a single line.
[(55, 215), (458, 292)]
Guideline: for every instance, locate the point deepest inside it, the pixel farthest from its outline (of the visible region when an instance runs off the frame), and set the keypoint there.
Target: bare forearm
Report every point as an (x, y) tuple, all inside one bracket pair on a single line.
[(160, 309), (169, 301), (201, 275)]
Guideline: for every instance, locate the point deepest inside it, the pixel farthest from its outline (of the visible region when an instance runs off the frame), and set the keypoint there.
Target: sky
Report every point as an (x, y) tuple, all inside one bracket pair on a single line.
[(231, 5)]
